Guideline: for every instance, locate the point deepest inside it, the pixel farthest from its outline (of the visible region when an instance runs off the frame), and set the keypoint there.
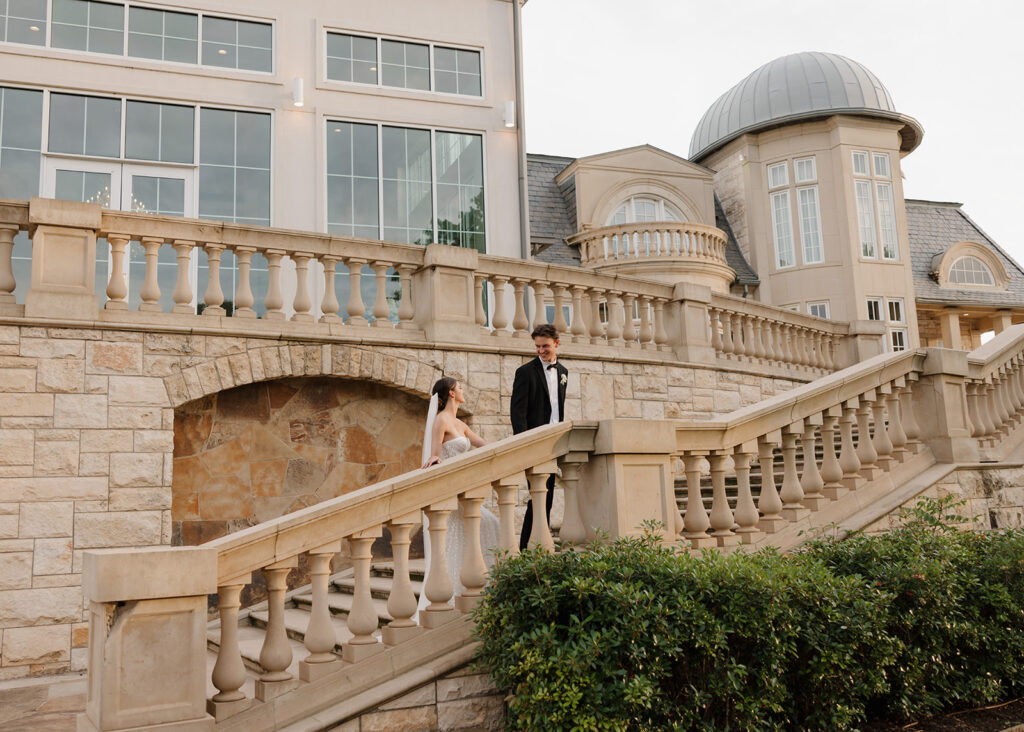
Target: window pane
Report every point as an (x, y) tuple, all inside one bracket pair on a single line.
[(143, 46), (887, 221), (783, 229), (881, 165), (72, 12), (866, 217), (351, 58), (405, 65), (778, 175), (158, 132), (145, 20), (970, 270), (810, 225), (805, 170), (106, 41), (87, 25), (860, 163), (352, 199), (234, 166), (217, 137), (21, 114), (237, 44), (874, 309), (164, 35), (407, 183), (23, 21), (69, 36), (85, 125)]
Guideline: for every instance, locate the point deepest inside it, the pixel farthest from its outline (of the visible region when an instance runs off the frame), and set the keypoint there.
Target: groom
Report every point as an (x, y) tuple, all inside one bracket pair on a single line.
[(538, 398)]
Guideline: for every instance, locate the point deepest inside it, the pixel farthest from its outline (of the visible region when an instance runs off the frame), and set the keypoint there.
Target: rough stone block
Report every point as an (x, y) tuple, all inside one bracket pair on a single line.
[(17, 380), (485, 712), (117, 528), (26, 405), (133, 470), (107, 357), (56, 458), (178, 345), (15, 570), (52, 556), (138, 391), (17, 447), (400, 720), (627, 408), (139, 499), (421, 697), (41, 607), (80, 410), (464, 687), (47, 348), (10, 334), (47, 519), (47, 644), (154, 441), (52, 489), (63, 375), (121, 440), (726, 401)]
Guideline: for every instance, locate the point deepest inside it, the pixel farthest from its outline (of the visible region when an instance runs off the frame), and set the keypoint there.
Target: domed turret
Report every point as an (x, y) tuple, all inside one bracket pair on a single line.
[(796, 88)]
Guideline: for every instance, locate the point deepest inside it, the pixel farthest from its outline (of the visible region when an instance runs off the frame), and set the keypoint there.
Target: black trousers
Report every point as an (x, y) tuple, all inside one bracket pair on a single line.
[(524, 537)]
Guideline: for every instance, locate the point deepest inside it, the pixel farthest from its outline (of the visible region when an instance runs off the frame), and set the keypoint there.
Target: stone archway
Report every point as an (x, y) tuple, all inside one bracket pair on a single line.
[(258, 451)]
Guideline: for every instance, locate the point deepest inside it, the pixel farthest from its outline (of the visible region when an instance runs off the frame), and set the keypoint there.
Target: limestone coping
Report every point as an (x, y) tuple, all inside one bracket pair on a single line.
[(117, 575), (770, 312), (990, 356)]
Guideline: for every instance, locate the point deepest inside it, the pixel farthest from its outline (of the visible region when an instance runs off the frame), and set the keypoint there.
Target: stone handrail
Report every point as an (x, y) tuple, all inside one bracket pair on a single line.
[(995, 389), (746, 330), (137, 597), (654, 241)]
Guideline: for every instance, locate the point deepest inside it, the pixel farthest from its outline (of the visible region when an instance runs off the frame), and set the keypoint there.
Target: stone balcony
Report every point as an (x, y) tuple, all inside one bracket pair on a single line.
[(664, 251)]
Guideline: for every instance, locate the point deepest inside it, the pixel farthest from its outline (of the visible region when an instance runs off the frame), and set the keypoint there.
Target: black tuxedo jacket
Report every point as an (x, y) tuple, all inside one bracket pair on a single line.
[(531, 405)]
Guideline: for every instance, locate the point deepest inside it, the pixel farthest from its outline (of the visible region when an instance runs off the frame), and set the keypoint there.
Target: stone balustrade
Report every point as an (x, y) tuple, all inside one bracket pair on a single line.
[(995, 390), (663, 241)]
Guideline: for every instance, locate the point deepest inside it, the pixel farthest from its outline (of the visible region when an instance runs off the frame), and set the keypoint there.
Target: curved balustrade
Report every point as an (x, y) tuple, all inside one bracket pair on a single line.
[(995, 389), (655, 241)]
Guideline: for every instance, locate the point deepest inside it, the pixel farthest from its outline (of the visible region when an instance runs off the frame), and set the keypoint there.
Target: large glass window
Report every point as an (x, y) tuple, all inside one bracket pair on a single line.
[(352, 58), (783, 230), (163, 35), (234, 166), (352, 193), (81, 125), (23, 21), (406, 178), (460, 190), (968, 270), (405, 65), (866, 219), (887, 221), (87, 25), (810, 225), (643, 209), (871, 196), (237, 44), (457, 71), (161, 132), (778, 175), (21, 124)]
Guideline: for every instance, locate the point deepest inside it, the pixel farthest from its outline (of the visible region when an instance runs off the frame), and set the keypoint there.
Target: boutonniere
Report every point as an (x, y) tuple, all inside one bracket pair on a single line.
[(564, 380)]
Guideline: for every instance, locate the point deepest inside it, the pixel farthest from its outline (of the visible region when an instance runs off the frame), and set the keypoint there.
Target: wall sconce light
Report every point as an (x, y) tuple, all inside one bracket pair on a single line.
[(510, 114), (298, 98), (742, 157)]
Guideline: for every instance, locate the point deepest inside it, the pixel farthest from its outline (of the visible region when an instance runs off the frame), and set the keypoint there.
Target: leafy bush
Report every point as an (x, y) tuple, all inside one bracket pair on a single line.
[(631, 635)]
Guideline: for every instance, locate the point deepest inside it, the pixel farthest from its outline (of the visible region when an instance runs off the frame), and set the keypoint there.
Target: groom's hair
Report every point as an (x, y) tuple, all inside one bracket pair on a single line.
[(442, 387), (545, 330)]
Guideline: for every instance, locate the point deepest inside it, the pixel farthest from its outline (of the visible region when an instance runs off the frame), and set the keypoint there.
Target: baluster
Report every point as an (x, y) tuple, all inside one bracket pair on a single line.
[(276, 654), (660, 336), (896, 433), (831, 472), (362, 617), (520, 323), (572, 531), (628, 327), (320, 636), (767, 337), (402, 600), (499, 319), (473, 575), (579, 328), (229, 671), (508, 489), (439, 586), (866, 452), (746, 512), (716, 333), (355, 306), (7, 282), (721, 514), (779, 343), (244, 299), (830, 356), (738, 346), (908, 415), (302, 302), (596, 329), (646, 327), (273, 301), (406, 311), (695, 519), (768, 501), (985, 409), (329, 305), (183, 283), (882, 443), (558, 292), (678, 471), (539, 306), (749, 349), (150, 292), (1003, 401), (974, 408), (381, 311), (540, 532), (848, 459), (811, 482), (213, 298), (758, 338), (728, 347), (791, 493), (117, 288), (479, 282), (615, 318)]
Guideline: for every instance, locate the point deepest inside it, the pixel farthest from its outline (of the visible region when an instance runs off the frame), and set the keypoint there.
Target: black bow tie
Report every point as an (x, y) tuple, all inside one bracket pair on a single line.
[(550, 366)]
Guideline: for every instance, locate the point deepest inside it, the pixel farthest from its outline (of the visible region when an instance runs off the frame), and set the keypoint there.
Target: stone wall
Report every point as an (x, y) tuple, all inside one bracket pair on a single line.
[(87, 421)]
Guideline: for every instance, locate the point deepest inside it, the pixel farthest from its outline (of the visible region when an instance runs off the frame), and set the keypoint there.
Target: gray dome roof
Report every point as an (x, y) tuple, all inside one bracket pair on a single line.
[(795, 88)]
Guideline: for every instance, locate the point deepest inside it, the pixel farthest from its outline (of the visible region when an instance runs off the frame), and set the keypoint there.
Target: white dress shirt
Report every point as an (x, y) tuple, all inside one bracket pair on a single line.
[(551, 376)]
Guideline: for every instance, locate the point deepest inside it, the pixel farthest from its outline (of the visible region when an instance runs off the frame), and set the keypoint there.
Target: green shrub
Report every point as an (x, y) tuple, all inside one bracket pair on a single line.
[(630, 635)]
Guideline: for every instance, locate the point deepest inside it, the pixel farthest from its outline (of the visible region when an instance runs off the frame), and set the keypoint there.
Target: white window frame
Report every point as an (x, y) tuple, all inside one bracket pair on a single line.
[(876, 304), (782, 229), (866, 219), (805, 164), (772, 169), (666, 211), (897, 334), (822, 306), (984, 268), (897, 304), (810, 225), (861, 170), (883, 170), (887, 236)]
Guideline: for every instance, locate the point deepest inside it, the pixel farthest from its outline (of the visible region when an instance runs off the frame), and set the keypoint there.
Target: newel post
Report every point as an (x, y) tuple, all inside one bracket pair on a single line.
[(147, 637), (939, 402), (444, 287), (688, 323), (63, 259)]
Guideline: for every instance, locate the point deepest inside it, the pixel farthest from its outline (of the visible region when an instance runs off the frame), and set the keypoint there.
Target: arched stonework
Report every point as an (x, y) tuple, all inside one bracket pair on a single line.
[(942, 263), (650, 187)]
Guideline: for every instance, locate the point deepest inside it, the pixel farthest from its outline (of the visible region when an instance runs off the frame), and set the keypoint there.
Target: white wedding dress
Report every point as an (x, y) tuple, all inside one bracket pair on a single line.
[(490, 533)]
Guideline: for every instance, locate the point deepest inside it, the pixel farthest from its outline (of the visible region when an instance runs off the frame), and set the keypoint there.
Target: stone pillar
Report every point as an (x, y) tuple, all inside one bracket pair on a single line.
[(63, 259), (444, 289), (939, 401), (949, 319), (686, 320), (866, 338), (1001, 320)]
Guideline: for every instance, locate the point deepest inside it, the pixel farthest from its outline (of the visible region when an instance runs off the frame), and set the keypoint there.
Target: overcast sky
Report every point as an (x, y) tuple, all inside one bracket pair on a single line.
[(607, 74)]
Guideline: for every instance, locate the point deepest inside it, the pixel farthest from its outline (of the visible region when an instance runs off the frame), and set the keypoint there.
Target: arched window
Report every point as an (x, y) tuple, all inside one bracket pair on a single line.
[(642, 209), (968, 270)]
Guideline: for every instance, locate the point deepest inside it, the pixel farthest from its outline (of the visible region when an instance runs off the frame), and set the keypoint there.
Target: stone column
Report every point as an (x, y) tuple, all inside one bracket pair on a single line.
[(444, 289)]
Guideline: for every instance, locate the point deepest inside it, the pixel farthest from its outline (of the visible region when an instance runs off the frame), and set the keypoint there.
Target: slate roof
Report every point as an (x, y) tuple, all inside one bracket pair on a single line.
[(745, 274), (552, 210), (935, 226)]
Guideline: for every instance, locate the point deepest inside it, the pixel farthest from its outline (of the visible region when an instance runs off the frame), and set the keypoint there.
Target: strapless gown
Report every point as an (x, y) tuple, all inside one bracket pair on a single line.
[(490, 533)]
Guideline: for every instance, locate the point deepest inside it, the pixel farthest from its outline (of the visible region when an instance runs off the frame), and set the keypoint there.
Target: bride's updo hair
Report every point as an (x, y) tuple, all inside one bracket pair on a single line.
[(443, 387)]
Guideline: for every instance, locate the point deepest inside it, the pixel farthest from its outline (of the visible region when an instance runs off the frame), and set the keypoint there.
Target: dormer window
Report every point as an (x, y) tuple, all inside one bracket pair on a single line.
[(970, 271), (969, 265), (642, 210)]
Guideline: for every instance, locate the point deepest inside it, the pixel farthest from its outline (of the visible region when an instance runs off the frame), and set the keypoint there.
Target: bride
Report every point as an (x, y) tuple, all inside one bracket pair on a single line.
[(445, 437)]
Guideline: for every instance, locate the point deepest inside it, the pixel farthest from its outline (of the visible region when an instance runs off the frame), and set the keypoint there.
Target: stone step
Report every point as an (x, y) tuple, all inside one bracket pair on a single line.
[(250, 643), (340, 604), (296, 619), (380, 586)]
